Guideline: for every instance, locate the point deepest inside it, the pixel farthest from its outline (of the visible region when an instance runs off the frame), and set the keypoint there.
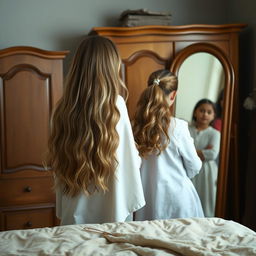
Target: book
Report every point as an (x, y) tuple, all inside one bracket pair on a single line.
[(143, 17)]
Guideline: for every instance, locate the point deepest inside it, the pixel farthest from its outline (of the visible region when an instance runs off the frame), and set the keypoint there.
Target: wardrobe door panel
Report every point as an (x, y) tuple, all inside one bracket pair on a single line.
[(164, 49), (30, 86), (26, 120), (136, 78)]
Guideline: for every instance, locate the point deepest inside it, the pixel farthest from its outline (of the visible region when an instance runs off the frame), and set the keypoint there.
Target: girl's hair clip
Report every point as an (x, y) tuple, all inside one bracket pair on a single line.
[(156, 81)]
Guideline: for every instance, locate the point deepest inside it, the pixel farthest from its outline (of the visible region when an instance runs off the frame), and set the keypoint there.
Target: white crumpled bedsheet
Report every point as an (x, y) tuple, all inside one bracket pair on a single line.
[(192, 236)]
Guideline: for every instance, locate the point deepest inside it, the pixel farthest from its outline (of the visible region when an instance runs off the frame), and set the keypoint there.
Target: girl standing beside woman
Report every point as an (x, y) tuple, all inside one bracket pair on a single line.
[(91, 146), (207, 143), (169, 158)]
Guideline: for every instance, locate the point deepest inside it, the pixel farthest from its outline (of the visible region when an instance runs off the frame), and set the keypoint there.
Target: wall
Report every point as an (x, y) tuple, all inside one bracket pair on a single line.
[(60, 24)]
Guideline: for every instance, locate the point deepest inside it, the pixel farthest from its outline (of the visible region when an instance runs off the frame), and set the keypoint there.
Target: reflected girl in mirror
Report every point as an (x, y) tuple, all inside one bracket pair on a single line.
[(169, 158), (207, 143)]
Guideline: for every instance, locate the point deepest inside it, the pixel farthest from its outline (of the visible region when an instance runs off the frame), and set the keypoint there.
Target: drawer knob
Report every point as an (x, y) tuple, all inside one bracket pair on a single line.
[(28, 189), (28, 224)]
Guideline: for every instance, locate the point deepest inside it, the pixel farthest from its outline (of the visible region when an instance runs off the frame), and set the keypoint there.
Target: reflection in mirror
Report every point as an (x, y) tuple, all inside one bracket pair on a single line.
[(201, 76)]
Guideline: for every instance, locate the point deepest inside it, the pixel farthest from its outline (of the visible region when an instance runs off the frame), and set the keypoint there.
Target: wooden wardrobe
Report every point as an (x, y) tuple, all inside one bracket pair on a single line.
[(30, 85), (148, 48)]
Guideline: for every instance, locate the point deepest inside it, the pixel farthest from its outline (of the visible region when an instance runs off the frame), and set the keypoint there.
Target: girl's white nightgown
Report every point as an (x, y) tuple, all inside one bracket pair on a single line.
[(206, 181), (168, 190), (125, 194)]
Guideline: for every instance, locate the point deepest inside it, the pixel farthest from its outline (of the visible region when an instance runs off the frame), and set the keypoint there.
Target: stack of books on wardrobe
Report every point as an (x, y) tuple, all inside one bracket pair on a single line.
[(142, 17)]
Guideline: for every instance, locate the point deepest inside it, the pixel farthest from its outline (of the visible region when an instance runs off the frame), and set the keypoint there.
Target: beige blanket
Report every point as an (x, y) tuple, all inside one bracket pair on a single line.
[(195, 236)]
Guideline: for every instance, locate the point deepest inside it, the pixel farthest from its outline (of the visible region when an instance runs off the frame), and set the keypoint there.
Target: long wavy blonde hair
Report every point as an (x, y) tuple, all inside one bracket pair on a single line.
[(83, 138), (153, 114)]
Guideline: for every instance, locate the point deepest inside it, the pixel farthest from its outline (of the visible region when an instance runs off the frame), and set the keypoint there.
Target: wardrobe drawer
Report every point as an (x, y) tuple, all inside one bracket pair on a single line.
[(26, 219), (26, 191)]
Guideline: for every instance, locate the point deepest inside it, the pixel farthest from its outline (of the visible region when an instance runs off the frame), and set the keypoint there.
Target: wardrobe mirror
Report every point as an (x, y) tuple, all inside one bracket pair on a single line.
[(204, 73), (201, 76)]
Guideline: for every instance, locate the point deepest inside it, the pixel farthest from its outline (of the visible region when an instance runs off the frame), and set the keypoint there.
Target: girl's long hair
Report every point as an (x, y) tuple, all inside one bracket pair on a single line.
[(153, 113), (83, 138)]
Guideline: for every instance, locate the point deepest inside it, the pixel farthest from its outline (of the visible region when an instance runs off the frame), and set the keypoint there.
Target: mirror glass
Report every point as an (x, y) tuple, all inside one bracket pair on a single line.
[(201, 76)]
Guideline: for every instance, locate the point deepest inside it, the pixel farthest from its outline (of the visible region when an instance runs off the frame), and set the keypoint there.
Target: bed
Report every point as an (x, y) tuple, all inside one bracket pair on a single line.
[(191, 236)]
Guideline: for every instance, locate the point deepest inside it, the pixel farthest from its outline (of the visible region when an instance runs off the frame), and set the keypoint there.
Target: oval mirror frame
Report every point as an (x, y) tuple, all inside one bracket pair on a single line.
[(221, 196)]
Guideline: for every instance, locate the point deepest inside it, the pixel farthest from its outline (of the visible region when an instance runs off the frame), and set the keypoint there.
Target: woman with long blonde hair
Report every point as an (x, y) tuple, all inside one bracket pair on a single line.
[(91, 148), (169, 157)]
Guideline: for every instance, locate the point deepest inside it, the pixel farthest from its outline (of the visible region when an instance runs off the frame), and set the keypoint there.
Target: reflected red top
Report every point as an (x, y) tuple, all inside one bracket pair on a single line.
[(217, 124)]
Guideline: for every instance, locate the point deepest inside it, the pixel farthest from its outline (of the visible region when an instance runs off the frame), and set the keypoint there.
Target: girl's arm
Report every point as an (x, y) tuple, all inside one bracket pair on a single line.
[(191, 161), (200, 154), (212, 150)]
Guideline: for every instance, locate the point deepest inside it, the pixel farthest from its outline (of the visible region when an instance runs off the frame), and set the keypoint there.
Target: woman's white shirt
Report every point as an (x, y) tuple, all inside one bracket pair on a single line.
[(125, 193)]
